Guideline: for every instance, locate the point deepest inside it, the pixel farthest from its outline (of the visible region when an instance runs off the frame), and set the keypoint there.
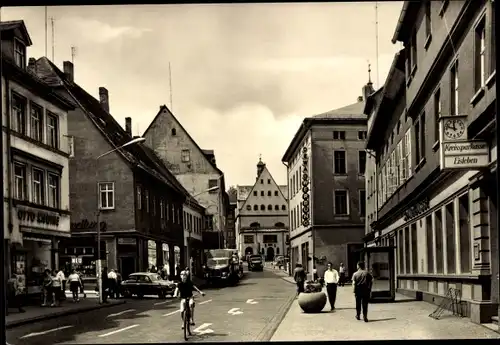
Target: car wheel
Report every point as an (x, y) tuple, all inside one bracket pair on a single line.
[(127, 294), (140, 295)]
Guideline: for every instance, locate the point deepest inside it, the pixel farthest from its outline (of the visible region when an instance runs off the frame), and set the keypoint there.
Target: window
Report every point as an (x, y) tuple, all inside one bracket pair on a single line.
[(414, 252), (261, 193), (54, 190), (154, 205), (341, 202), (269, 193), (480, 56), (261, 181), (450, 238), (255, 207), (493, 53), (249, 207), (338, 135), (268, 181), (420, 138), (139, 198), (20, 181), (362, 203), (262, 207), (276, 207), (174, 132), (18, 114), (454, 89), (53, 131), (146, 201), (362, 162), (276, 193), (339, 162), (248, 239), (428, 26), (362, 135), (36, 122), (19, 53), (417, 140), (167, 211), (254, 225), (213, 183), (107, 193), (438, 240), (254, 193), (407, 251), (407, 153), (411, 56), (437, 113), (401, 256), (269, 207), (38, 186), (465, 234), (283, 207), (185, 156), (430, 244), (162, 209), (270, 238)]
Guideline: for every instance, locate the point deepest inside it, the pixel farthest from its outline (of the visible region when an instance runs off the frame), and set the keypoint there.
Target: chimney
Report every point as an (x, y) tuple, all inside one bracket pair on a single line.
[(32, 65), (128, 125), (68, 70), (104, 98), (360, 98)]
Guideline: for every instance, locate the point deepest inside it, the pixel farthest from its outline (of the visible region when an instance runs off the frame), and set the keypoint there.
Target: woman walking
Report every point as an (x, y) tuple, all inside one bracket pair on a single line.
[(75, 284), (47, 288), (56, 289)]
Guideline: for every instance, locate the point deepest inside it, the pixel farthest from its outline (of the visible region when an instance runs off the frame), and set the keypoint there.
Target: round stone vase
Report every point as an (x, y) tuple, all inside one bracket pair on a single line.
[(312, 302)]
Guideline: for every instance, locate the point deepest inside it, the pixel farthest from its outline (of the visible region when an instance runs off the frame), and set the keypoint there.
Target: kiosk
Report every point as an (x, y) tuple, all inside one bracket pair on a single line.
[(380, 261)]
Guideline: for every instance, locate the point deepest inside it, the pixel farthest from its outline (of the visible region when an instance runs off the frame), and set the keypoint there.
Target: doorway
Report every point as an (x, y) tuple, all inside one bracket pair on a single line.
[(270, 254), (248, 251), (127, 266)]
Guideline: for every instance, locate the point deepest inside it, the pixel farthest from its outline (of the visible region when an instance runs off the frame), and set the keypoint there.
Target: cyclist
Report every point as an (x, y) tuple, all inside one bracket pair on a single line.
[(184, 290)]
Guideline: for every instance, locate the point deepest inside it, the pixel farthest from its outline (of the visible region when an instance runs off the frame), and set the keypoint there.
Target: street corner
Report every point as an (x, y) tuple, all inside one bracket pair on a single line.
[(36, 314)]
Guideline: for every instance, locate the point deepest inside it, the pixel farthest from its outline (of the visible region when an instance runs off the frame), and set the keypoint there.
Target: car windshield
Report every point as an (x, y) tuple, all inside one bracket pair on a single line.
[(218, 261), (154, 277), (256, 258)]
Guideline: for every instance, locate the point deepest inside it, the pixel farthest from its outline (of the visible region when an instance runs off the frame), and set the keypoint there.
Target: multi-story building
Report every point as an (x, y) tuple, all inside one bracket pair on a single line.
[(326, 165), (194, 224), (231, 218), (35, 158), (139, 202), (262, 216), (195, 168), (434, 138)]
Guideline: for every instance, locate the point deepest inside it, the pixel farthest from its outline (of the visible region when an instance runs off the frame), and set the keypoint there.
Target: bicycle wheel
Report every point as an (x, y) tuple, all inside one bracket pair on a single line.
[(186, 324)]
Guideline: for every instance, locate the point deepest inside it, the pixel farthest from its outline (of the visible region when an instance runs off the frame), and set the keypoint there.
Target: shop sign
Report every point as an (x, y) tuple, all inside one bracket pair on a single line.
[(39, 217), (127, 241), (417, 209), (85, 224), (305, 188)]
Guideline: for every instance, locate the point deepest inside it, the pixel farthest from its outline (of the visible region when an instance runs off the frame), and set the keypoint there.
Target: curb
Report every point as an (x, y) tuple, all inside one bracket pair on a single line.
[(267, 333), (17, 323)]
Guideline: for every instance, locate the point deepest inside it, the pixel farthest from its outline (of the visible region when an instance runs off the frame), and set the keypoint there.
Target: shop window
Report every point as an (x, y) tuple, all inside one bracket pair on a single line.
[(401, 256), (451, 255), (430, 244), (438, 240), (407, 251), (414, 249), (465, 234)]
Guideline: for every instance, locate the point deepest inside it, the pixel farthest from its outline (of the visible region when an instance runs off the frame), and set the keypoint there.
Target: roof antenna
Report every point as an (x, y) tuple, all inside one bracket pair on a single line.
[(376, 40), (73, 54), (53, 38), (369, 73), (46, 18), (170, 83)]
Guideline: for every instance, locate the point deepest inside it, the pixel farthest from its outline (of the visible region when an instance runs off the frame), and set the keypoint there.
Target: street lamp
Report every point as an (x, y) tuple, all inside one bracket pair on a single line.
[(98, 266), (190, 230)]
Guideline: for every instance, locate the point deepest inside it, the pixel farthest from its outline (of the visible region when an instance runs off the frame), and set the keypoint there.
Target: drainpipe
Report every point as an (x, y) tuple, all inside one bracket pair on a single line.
[(376, 181), (9, 158), (289, 220)]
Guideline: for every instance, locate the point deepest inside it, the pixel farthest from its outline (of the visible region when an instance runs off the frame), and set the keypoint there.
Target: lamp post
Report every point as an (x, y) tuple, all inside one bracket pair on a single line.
[(190, 230), (98, 266)]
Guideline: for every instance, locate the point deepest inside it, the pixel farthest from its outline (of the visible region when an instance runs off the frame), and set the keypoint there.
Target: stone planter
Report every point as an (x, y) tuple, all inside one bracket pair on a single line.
[(311, 286), (312, 302)]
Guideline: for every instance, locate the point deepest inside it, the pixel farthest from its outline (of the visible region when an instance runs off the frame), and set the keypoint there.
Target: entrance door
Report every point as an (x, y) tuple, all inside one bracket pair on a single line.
[(270, 254), (248, 251), (127, 266)]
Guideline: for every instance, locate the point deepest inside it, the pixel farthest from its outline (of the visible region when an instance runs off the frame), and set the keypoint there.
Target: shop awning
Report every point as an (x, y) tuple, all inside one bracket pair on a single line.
[(44, 232)]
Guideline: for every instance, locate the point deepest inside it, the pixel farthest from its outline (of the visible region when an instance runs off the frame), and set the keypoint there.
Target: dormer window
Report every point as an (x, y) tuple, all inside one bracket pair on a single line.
[(19, 53)]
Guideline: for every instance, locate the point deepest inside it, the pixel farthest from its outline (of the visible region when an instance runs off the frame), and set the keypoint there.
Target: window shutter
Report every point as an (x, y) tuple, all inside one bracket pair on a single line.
[(408, 152)]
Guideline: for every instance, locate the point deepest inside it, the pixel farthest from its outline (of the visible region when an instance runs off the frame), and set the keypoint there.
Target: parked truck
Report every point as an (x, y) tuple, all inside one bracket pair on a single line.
[(222, 266)]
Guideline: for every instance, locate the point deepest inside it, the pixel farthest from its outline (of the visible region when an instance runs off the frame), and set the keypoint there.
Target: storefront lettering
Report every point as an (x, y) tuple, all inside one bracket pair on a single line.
[(38, 217), (416, 209), (86, 225)]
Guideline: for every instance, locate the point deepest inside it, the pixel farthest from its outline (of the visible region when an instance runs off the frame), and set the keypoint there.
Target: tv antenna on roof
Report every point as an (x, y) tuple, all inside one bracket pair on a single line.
[(73, 54)]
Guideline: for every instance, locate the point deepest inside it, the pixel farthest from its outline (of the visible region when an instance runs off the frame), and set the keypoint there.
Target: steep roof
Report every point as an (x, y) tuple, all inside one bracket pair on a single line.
[(17, 24), (135, 155), (205, 153), (351, 111)]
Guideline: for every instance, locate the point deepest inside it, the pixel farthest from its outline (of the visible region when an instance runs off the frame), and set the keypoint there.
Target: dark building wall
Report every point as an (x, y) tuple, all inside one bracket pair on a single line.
[(85, 171)]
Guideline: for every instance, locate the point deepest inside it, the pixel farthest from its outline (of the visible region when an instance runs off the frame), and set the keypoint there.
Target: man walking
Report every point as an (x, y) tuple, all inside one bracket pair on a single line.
[(331, 279), (362, 283), (300, 277), (342, 274)]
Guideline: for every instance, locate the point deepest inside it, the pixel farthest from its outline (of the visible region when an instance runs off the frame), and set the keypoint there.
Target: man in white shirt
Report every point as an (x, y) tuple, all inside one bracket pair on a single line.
[(331, 278)]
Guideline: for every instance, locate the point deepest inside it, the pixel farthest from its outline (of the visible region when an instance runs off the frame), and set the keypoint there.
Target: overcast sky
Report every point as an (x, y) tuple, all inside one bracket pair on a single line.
[(243, 76)]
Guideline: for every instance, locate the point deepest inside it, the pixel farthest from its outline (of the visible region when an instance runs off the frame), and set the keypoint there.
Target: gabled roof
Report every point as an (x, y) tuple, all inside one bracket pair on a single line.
[(203, 152), (17, 24), (351, 111), (136, 156)]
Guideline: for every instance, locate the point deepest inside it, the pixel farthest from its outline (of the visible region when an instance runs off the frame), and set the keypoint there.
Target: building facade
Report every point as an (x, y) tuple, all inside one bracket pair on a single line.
[(194, 224), (436, 206), (195, 168), (262, 217), (325, 165), (35, 163), (139, 202)]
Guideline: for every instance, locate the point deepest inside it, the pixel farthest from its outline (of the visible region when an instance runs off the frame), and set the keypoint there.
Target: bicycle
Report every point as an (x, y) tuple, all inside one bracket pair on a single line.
[(187, 318)]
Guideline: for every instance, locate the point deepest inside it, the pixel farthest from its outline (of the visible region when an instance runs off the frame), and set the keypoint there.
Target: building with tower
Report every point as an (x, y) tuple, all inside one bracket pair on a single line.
[(262, 216)]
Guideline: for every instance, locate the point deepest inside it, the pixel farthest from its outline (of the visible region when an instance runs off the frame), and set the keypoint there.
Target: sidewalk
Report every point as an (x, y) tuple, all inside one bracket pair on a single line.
[(403, 319), (37, 313)]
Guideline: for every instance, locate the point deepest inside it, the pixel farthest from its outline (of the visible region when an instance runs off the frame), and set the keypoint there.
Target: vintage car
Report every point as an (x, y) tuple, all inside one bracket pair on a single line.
[(146, 284), (255, 263)]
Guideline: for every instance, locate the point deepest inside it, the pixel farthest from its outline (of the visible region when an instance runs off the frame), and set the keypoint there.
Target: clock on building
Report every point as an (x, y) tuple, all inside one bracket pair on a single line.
[(454, 128)]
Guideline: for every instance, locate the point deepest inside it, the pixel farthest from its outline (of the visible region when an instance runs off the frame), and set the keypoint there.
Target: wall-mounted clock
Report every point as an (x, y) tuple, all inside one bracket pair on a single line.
[(454, 128)]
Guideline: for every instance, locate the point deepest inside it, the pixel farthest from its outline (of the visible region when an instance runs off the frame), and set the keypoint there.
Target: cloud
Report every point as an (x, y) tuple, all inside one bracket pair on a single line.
[(100, 32)]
